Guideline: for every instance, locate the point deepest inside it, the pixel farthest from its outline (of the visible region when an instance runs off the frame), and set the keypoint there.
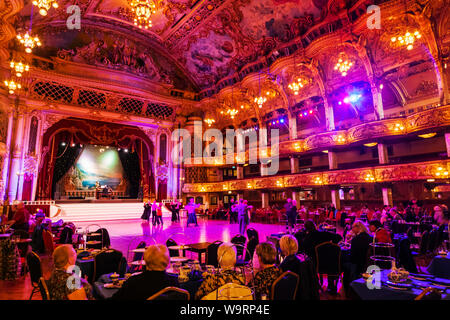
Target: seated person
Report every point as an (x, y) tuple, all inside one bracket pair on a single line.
[(289, 248), (152, 280), (308, 287), (37, 242), (380, 234), (441, 216), (314, 237), (269, 272), (64, 257), (359, 246), (20, 220), (226, 255)]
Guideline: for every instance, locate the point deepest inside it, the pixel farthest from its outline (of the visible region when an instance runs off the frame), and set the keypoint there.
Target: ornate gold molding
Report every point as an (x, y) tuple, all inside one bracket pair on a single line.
[(366, 132), (391, 173)]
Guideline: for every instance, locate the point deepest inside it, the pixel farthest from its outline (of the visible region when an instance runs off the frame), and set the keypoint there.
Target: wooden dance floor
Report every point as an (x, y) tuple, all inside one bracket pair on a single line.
[(124, 231)]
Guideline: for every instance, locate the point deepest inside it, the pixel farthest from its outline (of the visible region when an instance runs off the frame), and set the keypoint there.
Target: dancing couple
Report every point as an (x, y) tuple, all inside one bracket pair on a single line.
[(291, 213), (190, 208), (156, 211), (243, 210)]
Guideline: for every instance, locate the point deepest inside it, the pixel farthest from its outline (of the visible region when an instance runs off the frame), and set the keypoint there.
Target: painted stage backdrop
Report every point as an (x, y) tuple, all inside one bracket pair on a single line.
[(96, 163)]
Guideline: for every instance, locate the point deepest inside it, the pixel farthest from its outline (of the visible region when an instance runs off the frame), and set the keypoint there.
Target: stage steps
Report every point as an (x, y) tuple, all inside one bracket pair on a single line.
[(76, 212)]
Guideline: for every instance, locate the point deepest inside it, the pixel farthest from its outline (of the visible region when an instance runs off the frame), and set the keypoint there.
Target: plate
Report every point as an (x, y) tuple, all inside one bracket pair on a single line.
[(441, 282), (398, 286), (421, 276), (111, 286)]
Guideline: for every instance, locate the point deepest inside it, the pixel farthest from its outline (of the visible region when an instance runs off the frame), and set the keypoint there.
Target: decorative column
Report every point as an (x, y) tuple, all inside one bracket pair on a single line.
[(377, 101), (264, 199), (292, 127), (447, 143), (6, 173), (329, 115), (296, 197), (387, 196), (383, 157), (332, 160), (16, 157), (294, 165), (240, 172), (335, 199)]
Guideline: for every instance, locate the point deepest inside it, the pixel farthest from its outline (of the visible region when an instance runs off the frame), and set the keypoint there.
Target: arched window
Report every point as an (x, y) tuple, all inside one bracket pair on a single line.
[(33, 135)]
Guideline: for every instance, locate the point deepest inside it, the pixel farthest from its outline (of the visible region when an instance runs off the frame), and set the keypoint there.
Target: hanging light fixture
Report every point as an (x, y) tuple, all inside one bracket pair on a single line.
[(45, 5), (29, 42), (344, 64), (295, 86), (12, 86), (209, 121), (19, 68), (407, 39), (260, 100), (143, 11)]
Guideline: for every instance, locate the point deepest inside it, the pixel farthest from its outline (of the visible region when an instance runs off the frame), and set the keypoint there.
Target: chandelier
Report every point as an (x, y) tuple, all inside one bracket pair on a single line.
[(297, 85), (209, 121), (19, 68), (406, 40), (29, 42), (45, 5), (12, 86), (343, 64), (232, 112), (143, 10), (260, 101)]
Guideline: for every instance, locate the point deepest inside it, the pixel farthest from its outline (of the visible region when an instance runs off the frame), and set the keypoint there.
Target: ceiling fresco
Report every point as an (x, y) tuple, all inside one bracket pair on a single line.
[(197, 42)]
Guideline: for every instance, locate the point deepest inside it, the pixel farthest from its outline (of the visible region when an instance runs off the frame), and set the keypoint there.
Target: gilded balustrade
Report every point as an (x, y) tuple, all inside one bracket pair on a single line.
[(390, 173)]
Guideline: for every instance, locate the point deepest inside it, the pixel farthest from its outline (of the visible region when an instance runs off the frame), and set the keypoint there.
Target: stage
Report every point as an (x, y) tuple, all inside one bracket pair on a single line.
[(99, 210)]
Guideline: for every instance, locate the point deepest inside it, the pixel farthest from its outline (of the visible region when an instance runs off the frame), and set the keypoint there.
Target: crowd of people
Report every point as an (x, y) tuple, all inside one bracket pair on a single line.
[(356, 232)]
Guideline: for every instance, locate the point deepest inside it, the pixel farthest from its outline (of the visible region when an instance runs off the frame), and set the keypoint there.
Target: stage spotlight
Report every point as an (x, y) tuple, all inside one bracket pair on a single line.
[(126, 150), (81, 146), (72, 145), (282, 120), (63, 144), (119, 149)]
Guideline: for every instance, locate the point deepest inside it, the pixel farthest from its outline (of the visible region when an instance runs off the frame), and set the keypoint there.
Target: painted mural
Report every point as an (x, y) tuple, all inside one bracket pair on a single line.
[(241, 32)]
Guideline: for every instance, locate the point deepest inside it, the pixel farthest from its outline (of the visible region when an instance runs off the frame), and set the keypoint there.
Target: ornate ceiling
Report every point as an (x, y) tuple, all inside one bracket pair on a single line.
[(192, 44)]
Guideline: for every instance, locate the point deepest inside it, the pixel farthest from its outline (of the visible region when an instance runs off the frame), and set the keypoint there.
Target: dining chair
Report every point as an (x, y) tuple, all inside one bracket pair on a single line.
[(47, 237), (285, 286), (171, 293), (328, 260), (35, 268), (43, 289), (107, 261), (211, 253), (172, 253)]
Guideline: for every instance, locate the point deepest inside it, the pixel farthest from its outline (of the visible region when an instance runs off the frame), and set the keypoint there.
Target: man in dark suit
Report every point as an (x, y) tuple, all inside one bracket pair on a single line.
[(152, 280)]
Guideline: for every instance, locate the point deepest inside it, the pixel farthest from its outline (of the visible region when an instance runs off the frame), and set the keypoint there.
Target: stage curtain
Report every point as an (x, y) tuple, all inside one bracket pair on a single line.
[(66, 158), (130, 164)]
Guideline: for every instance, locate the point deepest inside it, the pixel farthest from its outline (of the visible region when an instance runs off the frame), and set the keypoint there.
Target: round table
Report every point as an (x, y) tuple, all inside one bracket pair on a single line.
[(178, 259), (177, 247)]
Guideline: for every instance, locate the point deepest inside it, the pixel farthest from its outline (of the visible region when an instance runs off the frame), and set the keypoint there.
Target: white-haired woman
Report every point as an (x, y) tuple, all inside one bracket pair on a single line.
[(226, 255)]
